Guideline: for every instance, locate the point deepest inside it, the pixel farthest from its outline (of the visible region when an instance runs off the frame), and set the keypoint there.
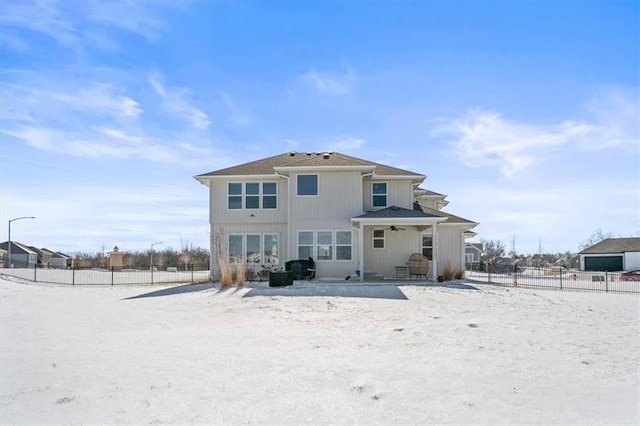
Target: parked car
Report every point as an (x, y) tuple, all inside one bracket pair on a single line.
[(630, 275)]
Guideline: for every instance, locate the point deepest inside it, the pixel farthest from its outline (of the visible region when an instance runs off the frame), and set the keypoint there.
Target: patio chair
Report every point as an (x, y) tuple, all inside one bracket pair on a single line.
[(418, 265)]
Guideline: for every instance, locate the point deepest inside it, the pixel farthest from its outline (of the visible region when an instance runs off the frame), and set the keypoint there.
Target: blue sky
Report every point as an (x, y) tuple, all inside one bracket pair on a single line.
[(524, 113)]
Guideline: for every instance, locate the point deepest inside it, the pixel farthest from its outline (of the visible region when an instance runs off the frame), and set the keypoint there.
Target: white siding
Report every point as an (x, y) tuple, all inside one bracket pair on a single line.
[(399, 193), (399, 245), (632, 260), (221, 214), (450, 247)]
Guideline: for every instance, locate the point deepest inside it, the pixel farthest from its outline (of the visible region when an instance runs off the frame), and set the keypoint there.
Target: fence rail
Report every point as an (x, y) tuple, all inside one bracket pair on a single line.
[(113, 276), (560, 279)]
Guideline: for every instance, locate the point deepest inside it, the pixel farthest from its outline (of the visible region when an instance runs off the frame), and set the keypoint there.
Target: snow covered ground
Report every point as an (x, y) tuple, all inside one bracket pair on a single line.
[(459, 352)]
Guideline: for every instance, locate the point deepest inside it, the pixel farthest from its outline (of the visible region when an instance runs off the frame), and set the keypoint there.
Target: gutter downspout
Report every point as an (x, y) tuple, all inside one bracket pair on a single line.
[(288, 213), (361, 232)]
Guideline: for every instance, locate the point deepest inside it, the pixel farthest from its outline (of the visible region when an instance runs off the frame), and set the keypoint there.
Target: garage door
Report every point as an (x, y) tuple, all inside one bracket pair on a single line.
[(603, 263)]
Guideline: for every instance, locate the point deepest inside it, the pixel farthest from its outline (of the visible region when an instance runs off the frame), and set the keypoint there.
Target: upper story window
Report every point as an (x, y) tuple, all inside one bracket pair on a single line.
[(379, 190), (269, 195), (234, 191), (307, 185), (252, 195)]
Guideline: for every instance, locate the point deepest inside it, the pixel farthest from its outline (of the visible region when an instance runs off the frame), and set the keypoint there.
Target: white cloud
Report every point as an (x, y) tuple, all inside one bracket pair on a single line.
[(486, 139), (328, 83), (175, 101), (345, 143), (76, 25), (236, 114)]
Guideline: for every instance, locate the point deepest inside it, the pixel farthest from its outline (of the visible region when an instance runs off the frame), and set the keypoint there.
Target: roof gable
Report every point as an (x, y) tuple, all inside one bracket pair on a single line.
[(311, 160), (394, 212), (614, 245)]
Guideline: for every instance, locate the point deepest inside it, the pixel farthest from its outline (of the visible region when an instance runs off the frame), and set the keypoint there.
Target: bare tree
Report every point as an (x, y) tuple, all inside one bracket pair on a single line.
[(493, 251), (595, 238), (186, 251)]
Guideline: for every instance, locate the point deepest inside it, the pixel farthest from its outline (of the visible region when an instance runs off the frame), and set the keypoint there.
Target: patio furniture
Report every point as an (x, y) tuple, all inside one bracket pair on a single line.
[(418, 265), (302, 269)]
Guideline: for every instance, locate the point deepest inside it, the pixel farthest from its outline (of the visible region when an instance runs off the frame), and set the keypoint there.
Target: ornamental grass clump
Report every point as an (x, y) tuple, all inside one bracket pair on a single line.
[(226, 278), (240, 277)]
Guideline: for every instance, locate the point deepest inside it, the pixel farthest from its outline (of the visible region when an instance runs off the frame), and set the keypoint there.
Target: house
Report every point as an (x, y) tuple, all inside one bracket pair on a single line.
[(22, 256), (611, 254), (3, 255), (347, 213), (61, 260), (44, 255), (473, 254)]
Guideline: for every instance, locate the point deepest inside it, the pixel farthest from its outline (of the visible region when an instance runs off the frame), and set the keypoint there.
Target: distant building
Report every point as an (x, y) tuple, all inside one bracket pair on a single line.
[(22, 256), (611, 254)]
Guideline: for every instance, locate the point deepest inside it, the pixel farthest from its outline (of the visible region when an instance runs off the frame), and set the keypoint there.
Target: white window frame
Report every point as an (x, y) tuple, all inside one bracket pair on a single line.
[(241, 195), (261, 249), (246, 195), (385, 195), (317, 194), (242, 254), (374, 239), (343, 245), (246, 248), (432, 246), (312, 245), (331, 245), (264, 247), (263, 195)]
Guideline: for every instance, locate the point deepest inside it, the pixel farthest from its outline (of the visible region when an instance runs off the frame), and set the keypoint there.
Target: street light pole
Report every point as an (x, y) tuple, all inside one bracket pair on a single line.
[(9, 243), (151, 261)]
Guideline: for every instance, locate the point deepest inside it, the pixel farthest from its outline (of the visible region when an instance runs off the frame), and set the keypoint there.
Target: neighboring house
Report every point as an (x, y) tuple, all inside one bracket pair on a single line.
[(44, 255), (22, 256), (61, 260), (473, 254), (611, 254), (347, 213), (3, 254)]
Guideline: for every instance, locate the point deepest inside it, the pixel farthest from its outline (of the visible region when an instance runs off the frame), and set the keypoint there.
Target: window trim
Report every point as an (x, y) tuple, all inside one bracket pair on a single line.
[(331, 245), (432, 246), (312, 245), (374, 238), (243, 247), (317, 194), (343, 245), (241, 195), (261, 195), (385, 195)]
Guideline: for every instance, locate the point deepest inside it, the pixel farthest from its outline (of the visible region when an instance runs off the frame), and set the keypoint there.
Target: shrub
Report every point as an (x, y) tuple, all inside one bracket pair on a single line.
[(240, 278), (226, 278), (447, 273)]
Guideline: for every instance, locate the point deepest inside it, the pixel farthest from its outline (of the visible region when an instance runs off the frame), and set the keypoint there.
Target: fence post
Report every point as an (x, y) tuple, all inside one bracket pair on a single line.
[(112, 276), (35, 272), (73, 276), (151, 274), (606, 281), (560, 280), (192, 272)]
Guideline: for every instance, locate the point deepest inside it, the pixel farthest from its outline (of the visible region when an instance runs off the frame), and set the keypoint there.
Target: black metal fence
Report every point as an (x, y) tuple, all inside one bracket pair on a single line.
[(557, 278), (190, 273)]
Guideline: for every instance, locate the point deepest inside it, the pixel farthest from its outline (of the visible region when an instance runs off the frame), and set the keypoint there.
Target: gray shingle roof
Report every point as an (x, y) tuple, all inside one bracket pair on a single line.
[(613, 245), (304, 159), (451, 218), (393, 212)]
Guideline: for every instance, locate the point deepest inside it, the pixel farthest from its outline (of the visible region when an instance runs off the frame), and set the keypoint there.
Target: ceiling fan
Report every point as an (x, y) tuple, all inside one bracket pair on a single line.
[(394, 228)]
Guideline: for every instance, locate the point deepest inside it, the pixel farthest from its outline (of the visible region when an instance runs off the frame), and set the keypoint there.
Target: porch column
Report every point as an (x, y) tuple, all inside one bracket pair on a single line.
[(435, 252), (361, 251)]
